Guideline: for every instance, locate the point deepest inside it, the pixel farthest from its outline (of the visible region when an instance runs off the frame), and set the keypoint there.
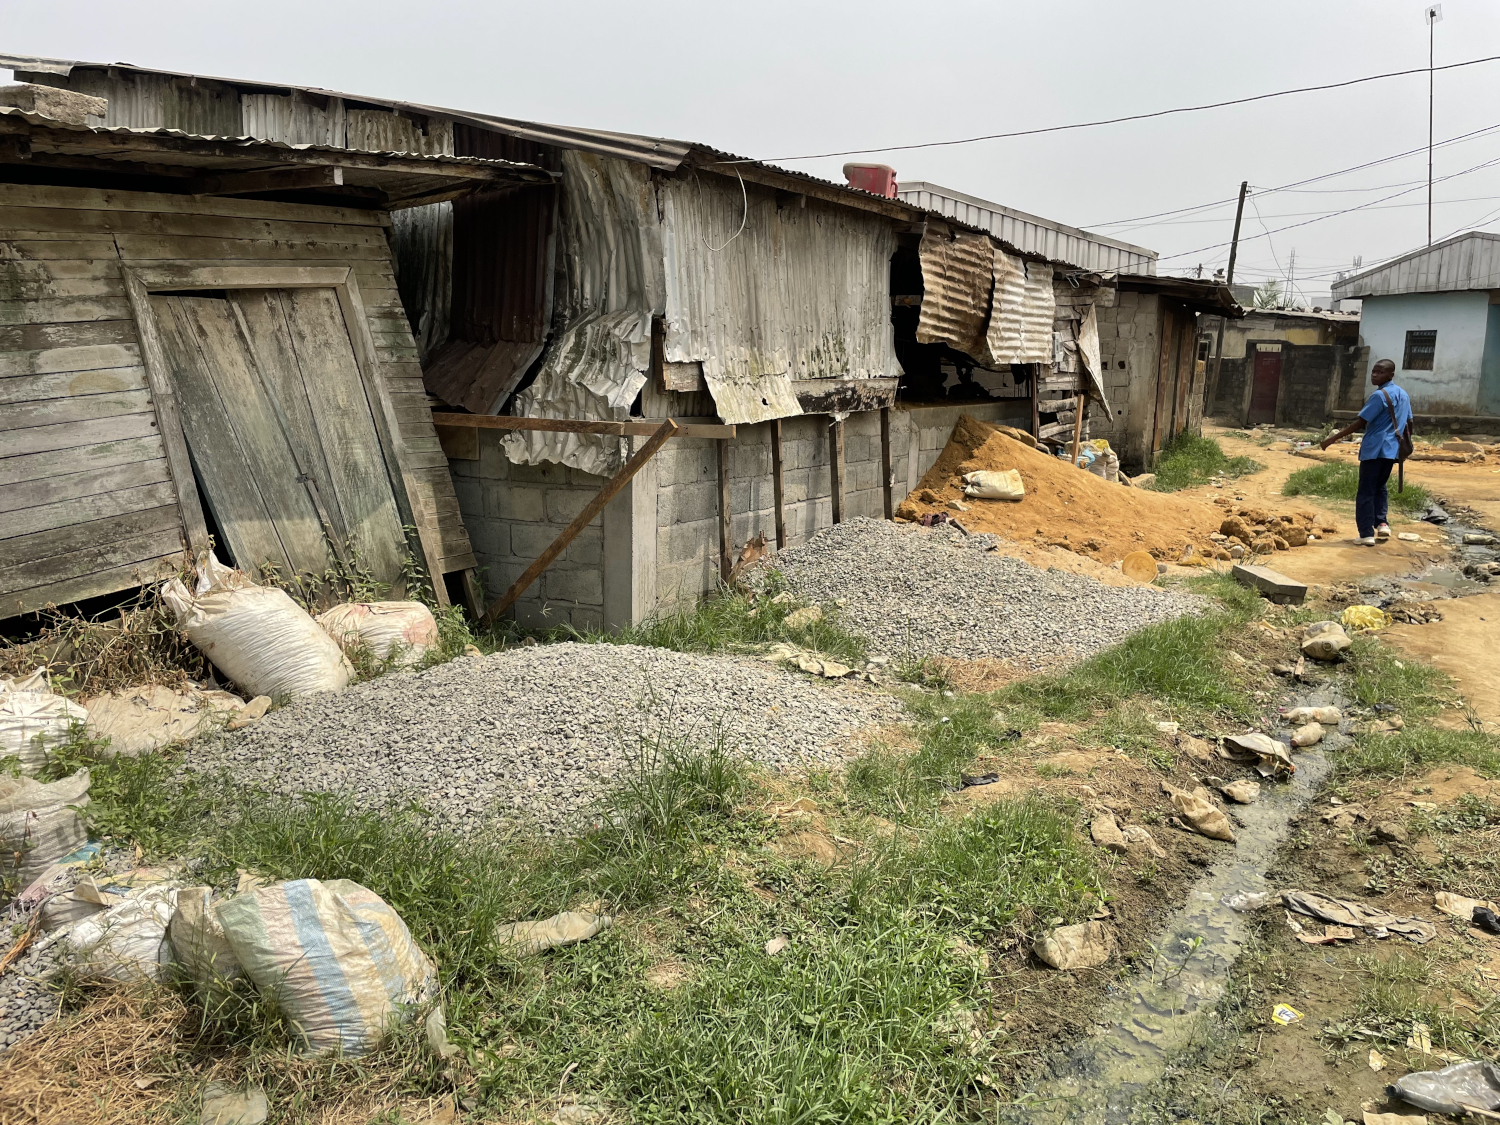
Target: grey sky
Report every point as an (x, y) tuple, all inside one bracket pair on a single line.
[(778, 79)]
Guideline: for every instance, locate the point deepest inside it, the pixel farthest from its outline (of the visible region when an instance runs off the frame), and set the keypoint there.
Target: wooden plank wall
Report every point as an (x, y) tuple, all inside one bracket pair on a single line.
[(87, 505)]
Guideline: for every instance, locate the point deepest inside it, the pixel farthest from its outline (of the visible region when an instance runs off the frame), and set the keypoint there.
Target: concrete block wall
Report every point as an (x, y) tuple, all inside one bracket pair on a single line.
[(1128, 334), (513, 512), (657, 543)]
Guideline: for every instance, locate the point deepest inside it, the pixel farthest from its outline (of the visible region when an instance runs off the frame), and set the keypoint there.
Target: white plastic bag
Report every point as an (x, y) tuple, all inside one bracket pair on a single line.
[(407, 627), (198, 942), (256, 635), (28, 711), (127, 942), (39, 824), (1004, 484), (339, 961)]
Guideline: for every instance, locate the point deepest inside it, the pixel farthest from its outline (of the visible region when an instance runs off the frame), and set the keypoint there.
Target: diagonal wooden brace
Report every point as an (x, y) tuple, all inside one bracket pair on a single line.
[(583, 519)]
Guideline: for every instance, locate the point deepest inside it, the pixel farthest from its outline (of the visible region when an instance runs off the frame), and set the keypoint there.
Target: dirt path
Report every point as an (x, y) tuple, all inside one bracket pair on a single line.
[(1463, 644)]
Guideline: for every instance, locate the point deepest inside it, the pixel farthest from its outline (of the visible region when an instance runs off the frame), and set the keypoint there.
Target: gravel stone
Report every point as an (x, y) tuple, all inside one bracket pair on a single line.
[(535, 733), (917, 592)]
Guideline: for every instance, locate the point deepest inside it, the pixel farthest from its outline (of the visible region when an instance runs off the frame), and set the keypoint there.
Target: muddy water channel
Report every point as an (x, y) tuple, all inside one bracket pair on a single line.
[(1161, 1010)]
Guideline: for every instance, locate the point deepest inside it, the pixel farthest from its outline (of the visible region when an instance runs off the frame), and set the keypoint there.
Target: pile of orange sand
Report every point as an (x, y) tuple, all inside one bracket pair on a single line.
[(1063, 506)]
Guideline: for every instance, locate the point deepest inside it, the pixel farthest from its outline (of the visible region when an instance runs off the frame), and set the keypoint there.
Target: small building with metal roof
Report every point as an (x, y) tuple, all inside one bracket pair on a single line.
[(1435, 313)]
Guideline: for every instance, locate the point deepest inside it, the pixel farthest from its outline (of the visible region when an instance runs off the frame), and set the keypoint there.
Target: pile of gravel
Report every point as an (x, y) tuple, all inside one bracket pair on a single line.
[(535, 732), (918, 592)]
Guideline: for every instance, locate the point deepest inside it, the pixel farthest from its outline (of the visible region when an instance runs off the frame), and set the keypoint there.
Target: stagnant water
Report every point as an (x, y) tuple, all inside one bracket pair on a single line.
[(1160, 1011)]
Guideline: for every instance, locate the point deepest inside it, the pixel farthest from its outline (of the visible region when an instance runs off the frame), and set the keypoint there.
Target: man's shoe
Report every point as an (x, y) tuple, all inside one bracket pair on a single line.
[(1367, 541), (1382, 533)]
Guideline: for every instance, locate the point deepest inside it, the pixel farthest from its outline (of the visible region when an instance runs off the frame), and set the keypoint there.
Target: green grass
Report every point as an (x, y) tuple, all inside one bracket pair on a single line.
[(1340, 481), (863, 1018), (1189, 460)]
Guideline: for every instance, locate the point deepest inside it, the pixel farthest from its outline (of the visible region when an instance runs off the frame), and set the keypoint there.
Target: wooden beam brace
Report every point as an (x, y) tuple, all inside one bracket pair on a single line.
[(885, 462), (836, 467), (270, 179), (778, 484), (581, 521), (726, 543), (577, 426)]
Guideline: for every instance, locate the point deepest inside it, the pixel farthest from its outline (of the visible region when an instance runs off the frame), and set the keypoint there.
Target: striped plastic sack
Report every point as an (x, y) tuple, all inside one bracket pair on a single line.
[(338, 960)]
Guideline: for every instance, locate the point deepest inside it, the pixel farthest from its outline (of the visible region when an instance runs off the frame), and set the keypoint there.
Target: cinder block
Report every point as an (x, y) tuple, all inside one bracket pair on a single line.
[(684, 503), (865, 474), (489, 538), (492, 463), (689, 541), (795, 485), (529, 540), (470, 494), (587, 549), (575, 584), (749, 459), (587, 619), (564, 504), (508, 501)]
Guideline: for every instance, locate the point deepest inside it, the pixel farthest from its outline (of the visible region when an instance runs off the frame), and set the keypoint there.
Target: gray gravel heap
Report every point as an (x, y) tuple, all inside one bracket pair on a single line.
[(536, 731), (915, 591)]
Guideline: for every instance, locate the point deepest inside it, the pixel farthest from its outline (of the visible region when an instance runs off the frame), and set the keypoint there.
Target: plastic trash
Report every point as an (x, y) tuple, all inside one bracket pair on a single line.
[(152, 716), (127, 942), (31, 718), (1347, 912), (1364, 617), (258, 636), (1003, 484), (1247, 902), (1328, 716), (39, 823), (567, 928), (1452, 1090), (406, 628), (339, 961), (1325, 640)]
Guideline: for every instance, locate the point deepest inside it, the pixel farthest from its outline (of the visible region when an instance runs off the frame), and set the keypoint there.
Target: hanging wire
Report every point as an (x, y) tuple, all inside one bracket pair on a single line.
[(744, 199)]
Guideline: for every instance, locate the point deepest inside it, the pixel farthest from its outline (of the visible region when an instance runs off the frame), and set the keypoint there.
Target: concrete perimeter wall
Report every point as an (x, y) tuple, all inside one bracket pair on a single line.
[(1128, 335), (657, 543)]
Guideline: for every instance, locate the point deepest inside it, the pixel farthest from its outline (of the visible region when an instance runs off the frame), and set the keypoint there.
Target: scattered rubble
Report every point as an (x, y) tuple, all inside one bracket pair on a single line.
[(1084, 946)]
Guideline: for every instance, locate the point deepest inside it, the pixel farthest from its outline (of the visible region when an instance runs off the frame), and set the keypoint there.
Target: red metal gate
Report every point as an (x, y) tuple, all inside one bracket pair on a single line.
[(1265, 388)]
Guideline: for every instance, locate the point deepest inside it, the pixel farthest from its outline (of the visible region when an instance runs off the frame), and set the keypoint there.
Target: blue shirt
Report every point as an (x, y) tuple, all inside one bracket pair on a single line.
[(1380, 435)]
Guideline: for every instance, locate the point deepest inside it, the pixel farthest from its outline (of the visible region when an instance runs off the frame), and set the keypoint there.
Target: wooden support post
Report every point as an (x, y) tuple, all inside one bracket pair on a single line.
[(473, 591), (1077, 426), (885, 461), (581, 521), (726, 545), (778, 485), (1036, 394), (836, 468)]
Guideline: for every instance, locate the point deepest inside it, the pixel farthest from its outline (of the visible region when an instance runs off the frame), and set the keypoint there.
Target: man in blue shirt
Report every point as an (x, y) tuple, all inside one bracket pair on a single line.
[(1384, 419)]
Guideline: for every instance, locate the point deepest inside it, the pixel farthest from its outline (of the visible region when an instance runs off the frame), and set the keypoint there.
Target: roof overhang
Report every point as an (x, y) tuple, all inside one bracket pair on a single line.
[(166, 159), (1201, 296)]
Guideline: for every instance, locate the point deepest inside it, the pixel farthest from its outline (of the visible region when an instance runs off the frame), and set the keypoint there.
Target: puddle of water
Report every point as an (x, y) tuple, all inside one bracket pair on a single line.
[(1161, 1010)]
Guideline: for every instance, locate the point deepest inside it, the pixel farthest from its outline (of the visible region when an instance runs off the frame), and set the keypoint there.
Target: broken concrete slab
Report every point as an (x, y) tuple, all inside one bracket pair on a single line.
[(67, 106), (1272, 584)]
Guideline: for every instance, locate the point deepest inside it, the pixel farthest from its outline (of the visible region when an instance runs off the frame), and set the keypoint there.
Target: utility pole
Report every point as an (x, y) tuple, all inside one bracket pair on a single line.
[(1434, 14), (1234, 249), (1291, 280)]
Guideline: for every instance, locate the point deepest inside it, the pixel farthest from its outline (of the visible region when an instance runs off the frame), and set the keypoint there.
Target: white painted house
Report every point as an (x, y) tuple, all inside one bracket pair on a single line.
[(1436, 313)]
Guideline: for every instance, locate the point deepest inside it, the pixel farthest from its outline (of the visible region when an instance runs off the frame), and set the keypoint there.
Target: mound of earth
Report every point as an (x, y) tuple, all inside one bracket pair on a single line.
[(1067, 507)]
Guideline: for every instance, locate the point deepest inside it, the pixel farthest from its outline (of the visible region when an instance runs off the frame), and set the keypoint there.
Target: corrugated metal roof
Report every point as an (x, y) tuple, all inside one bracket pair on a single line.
[(1004, 337), (139, 104), (1466, 261), (1031, 234), (800, 292), (958, 276)]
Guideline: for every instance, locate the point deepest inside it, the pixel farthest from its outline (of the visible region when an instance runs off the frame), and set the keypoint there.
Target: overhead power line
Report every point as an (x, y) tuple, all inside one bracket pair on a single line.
[(1118, 120)]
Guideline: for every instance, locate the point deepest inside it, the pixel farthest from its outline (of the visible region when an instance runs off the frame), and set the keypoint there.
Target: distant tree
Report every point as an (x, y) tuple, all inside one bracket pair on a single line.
[(1268, 296)]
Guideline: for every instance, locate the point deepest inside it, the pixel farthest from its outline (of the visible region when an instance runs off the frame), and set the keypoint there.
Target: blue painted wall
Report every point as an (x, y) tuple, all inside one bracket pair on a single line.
[(1462, 322)]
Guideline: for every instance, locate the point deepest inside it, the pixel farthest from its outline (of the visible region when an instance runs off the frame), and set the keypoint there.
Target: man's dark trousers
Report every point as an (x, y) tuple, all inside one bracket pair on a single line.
[(1371, 503)]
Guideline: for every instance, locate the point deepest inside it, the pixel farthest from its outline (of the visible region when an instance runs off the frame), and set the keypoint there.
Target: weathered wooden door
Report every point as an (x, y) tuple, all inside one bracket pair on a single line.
[(1169, 335), (1265, 388), (280, 430)]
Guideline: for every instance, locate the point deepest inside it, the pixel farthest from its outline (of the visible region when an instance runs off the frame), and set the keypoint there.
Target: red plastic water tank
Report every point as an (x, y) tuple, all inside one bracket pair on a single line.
[(877, 179)]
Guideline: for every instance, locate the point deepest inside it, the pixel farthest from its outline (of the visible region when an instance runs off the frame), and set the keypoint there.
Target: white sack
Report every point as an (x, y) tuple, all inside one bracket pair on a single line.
[(152, 716), (406, 627), (1005, 484), (256, 635), (38, 822), (28, 711), (127, 942)]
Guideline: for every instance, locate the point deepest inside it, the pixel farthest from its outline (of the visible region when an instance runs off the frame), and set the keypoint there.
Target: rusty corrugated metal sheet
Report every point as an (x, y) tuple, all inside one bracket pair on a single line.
[(1004, 337), (763, 292), (1038, 305), (1031, 234), (609, 247), (958, 275), (422, 251)]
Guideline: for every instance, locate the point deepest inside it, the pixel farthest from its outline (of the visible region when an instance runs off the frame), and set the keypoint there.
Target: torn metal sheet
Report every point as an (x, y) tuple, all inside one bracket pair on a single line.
[(1088, 352), (610, 252), (1038, 305), (1003, 337), (764, 292), (958, 276), (422, 246)]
